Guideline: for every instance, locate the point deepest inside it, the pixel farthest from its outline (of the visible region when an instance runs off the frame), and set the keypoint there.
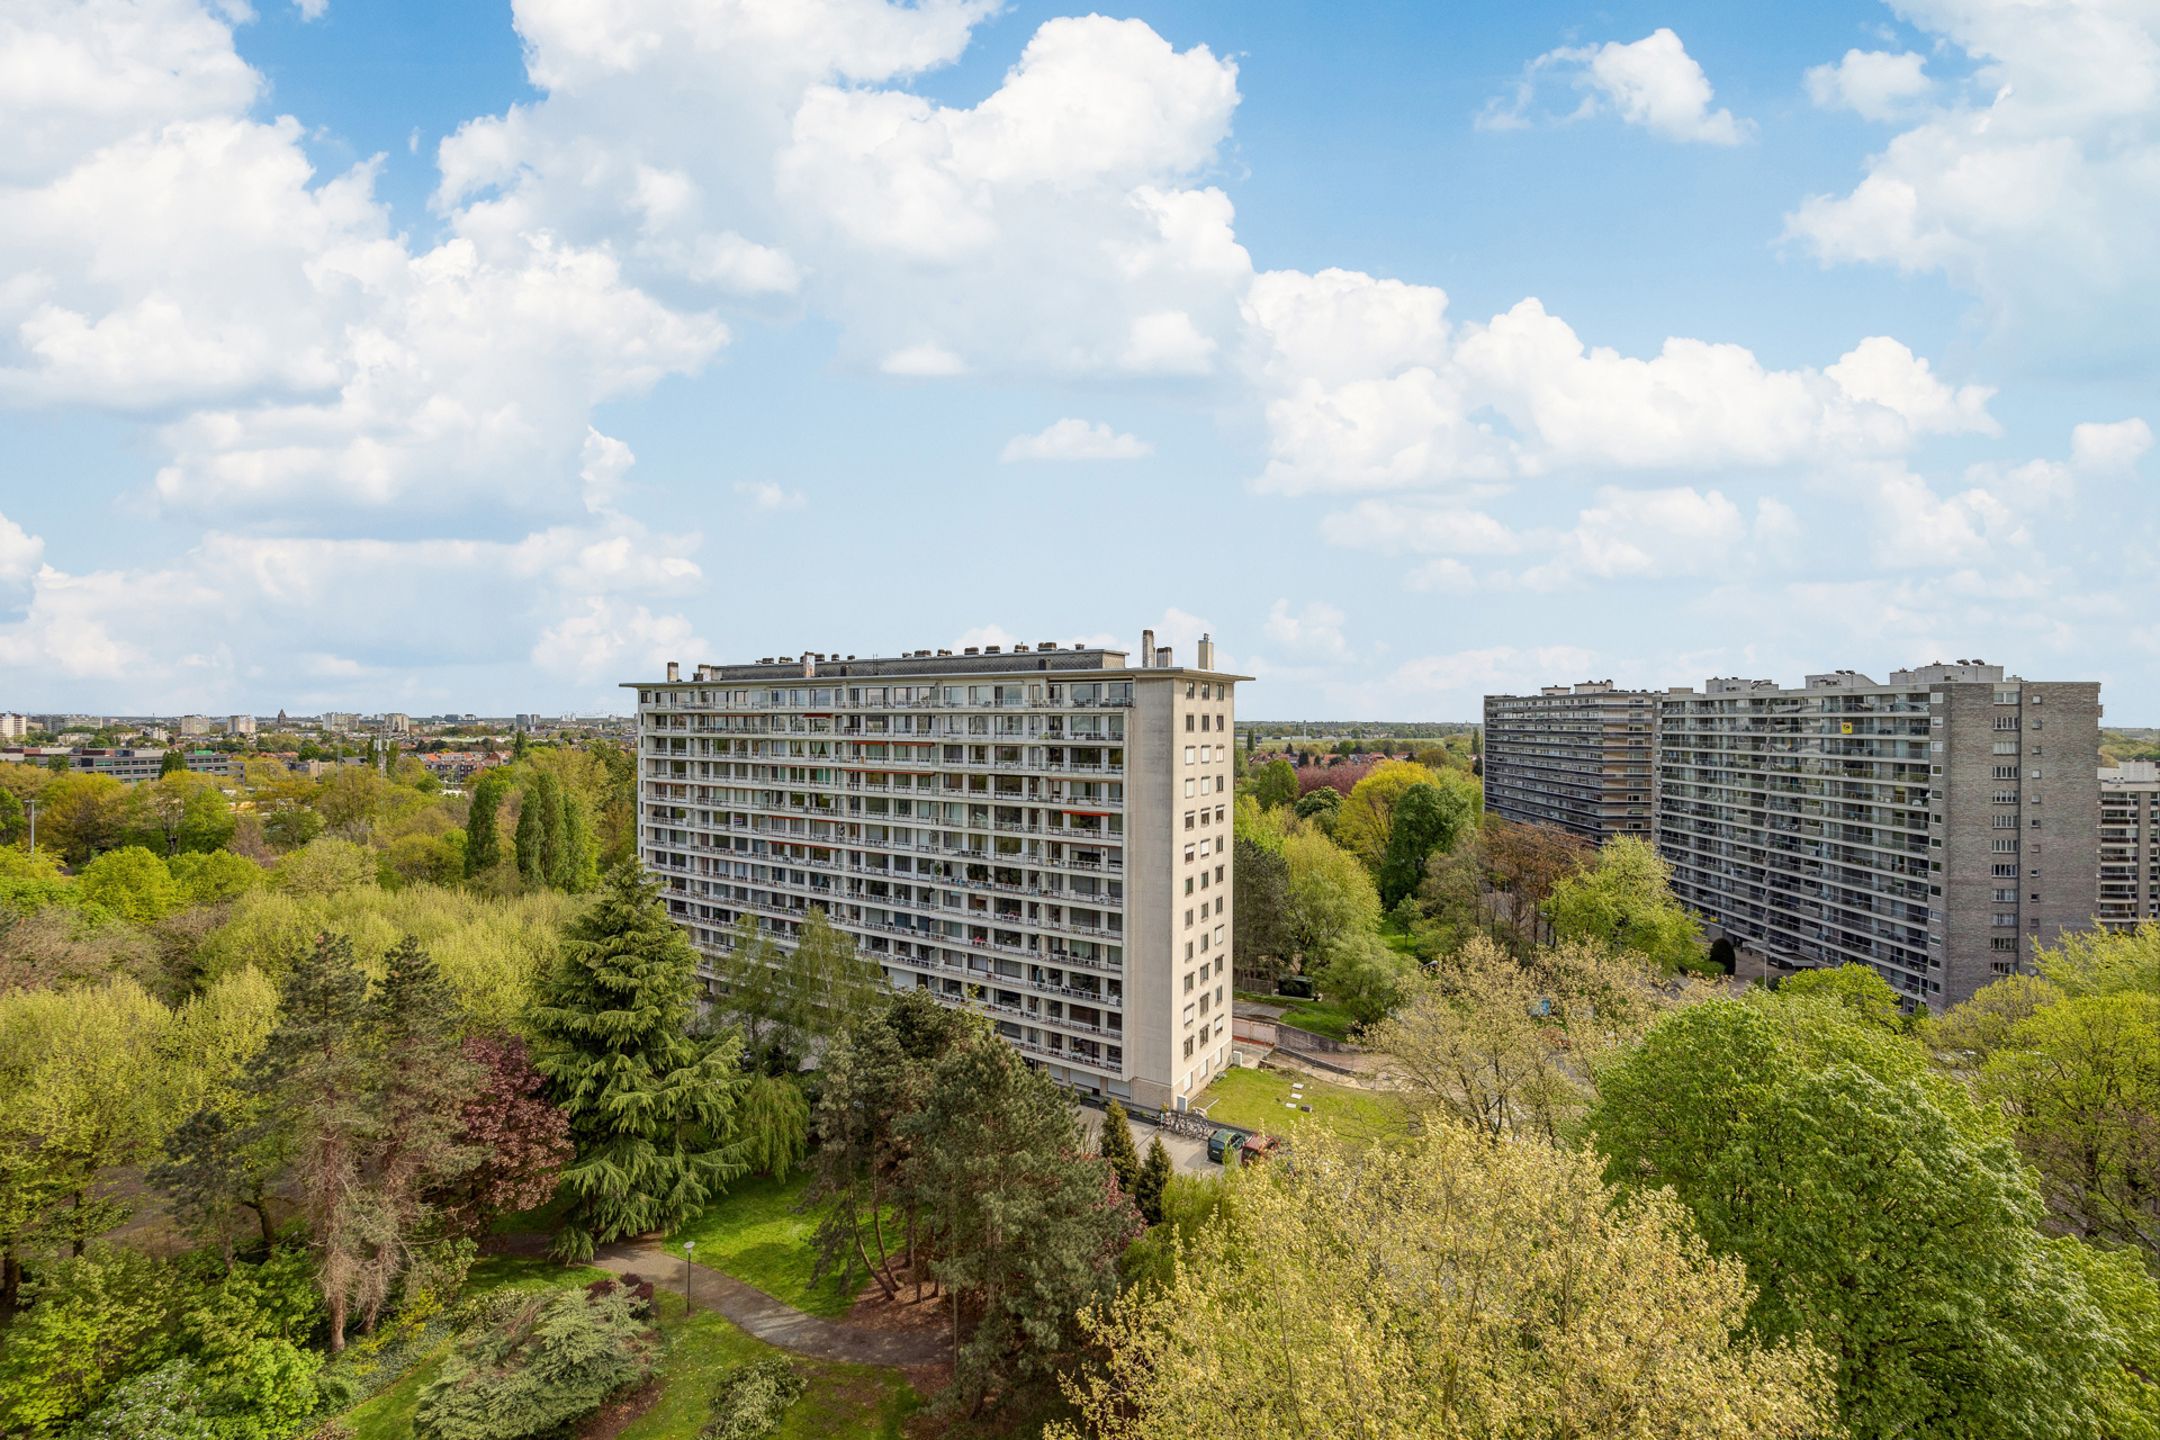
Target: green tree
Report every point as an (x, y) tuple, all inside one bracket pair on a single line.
[(81, 814), (483, 845), (208, 878), (174, 762), (1368, 812), (545, 794), (1117, 1148), (1624, 900), (1425, 821), (1446, 1287), (1154, 1179), (531, 841), (1274, 783), (1321, 805), (549, 1365), (650, 1109), (1857, 987), (92, 1319), (131, 883), (1026, 1228), (1877, 1208), (1330, 894), (179, 812), (773, 1125), (1361, 973), (1260, 920), (312, 1093)]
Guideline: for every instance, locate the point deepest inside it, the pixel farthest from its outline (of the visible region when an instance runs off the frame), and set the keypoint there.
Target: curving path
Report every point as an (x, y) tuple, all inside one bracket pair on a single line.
[(773, 1321)]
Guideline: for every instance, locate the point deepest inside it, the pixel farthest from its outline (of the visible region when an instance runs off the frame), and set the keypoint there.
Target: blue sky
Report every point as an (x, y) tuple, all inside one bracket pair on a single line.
[(481, 356)]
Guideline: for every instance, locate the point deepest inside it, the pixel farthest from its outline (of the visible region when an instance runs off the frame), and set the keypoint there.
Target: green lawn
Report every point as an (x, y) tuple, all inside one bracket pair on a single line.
[(759, 1234), (1318, 1016), (1255, 1100), (845, 1402)]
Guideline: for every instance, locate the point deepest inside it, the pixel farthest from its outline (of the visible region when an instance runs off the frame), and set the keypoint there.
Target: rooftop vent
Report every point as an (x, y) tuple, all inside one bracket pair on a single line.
[(971, 650), (948, 652), (990, 649), (1046, 645)]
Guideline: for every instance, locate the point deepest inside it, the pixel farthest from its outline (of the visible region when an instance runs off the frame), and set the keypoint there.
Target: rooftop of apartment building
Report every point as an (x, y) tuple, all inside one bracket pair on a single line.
[(2130, 773), (1939, 672), (1018, 659)]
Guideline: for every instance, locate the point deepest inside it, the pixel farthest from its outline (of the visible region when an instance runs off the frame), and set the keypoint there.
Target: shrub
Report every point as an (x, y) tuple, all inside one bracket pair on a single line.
[(752, 1399), (552, 1363)]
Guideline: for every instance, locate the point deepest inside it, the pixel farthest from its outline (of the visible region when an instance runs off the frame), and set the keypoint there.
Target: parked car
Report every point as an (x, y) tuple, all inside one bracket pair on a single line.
[(1259, 1147), (1223, 1146)]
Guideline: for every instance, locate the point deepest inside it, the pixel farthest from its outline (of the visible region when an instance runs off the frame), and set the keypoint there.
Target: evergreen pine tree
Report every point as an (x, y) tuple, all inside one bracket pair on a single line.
[(313, 1075), (531, 850), (1118, 1150), (1154, 1179), (546, 796), (579, 872), (650, 1108), (483, 841)]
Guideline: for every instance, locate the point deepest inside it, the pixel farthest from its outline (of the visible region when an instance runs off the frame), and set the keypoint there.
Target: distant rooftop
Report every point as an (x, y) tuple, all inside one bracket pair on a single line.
[(970, 660)]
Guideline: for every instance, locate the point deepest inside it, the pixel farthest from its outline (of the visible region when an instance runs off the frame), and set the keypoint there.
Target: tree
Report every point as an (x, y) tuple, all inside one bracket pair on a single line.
[(520, 1140), (208, 878), (422, 1089), (312, 1092), (1368, 812), (579, 870), (483, 845), (1877, 1208), (1321, 805), (545, 796), (1510, 1049), (1274, 783), (1360, 972), (1449, 1287), (2080, 1080), (325, 868), (531, 841), (773, 1125), (81, 1072), (1260, 912), (92, 1319), (1624, 901), (174, 762), (553, 1362), (1426, 820), (1147, 1191), (650, 1109), (1330, 893), (177, 812), (81, 814), (131, 883), (1026, 1227), (1524, 863), (789, 1000), (1856, 987), (1117, 1148)]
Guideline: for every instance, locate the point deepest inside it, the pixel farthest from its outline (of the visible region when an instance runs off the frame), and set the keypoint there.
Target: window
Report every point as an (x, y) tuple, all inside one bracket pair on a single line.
[(1188, 729), (1188, 884), (1188, 749)]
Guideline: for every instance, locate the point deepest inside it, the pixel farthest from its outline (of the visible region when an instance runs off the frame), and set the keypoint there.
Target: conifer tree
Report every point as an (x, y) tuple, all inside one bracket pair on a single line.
[(1118, 1150), (483, 840), (531, 850), (545, 795), (650, 1108), (578, 869), (1154, 1179)]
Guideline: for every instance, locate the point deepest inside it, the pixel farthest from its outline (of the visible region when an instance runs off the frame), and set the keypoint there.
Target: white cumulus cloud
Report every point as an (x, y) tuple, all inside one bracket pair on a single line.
[(1652, 83), (1071, 439)]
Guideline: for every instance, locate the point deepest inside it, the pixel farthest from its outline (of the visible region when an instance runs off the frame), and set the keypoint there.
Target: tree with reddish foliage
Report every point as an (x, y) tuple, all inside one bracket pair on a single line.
[(1342, 775), (1524, 863), (523, 1140)]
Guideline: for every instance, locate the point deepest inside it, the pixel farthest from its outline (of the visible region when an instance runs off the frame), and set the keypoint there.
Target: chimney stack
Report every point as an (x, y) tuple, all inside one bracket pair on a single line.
[(1162, 657), (1205, 655), (674, 670), (809, 665), (1147, 648)]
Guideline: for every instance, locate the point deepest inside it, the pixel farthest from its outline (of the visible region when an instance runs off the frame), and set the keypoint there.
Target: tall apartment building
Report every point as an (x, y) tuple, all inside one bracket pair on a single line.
[(2130, 844), (1937, 827), (1042, 834), (1573, 756)]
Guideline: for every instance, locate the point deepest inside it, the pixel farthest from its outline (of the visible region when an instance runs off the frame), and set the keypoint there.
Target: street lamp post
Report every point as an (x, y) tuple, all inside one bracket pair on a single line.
[(689, 1273)]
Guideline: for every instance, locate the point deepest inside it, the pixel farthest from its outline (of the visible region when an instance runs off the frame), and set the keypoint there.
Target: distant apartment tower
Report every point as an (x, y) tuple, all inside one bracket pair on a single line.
[(2130, 845), (13, 726), (1041, 834), (193, 726), (1937, 827), (1576, 756), (240, 725)]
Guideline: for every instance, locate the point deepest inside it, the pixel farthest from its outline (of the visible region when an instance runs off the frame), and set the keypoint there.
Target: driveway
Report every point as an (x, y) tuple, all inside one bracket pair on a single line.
[(1187, 1156)]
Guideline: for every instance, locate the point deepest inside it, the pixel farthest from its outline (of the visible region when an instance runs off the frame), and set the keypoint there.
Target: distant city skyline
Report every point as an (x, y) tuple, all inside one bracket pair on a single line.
[(419, 357)]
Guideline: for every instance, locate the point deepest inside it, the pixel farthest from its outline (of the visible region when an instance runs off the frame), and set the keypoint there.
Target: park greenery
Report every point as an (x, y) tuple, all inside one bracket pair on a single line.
[(290, 1113)]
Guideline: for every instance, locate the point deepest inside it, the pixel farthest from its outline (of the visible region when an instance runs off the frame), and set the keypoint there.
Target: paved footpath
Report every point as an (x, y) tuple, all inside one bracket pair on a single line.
[(774, 1321)]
